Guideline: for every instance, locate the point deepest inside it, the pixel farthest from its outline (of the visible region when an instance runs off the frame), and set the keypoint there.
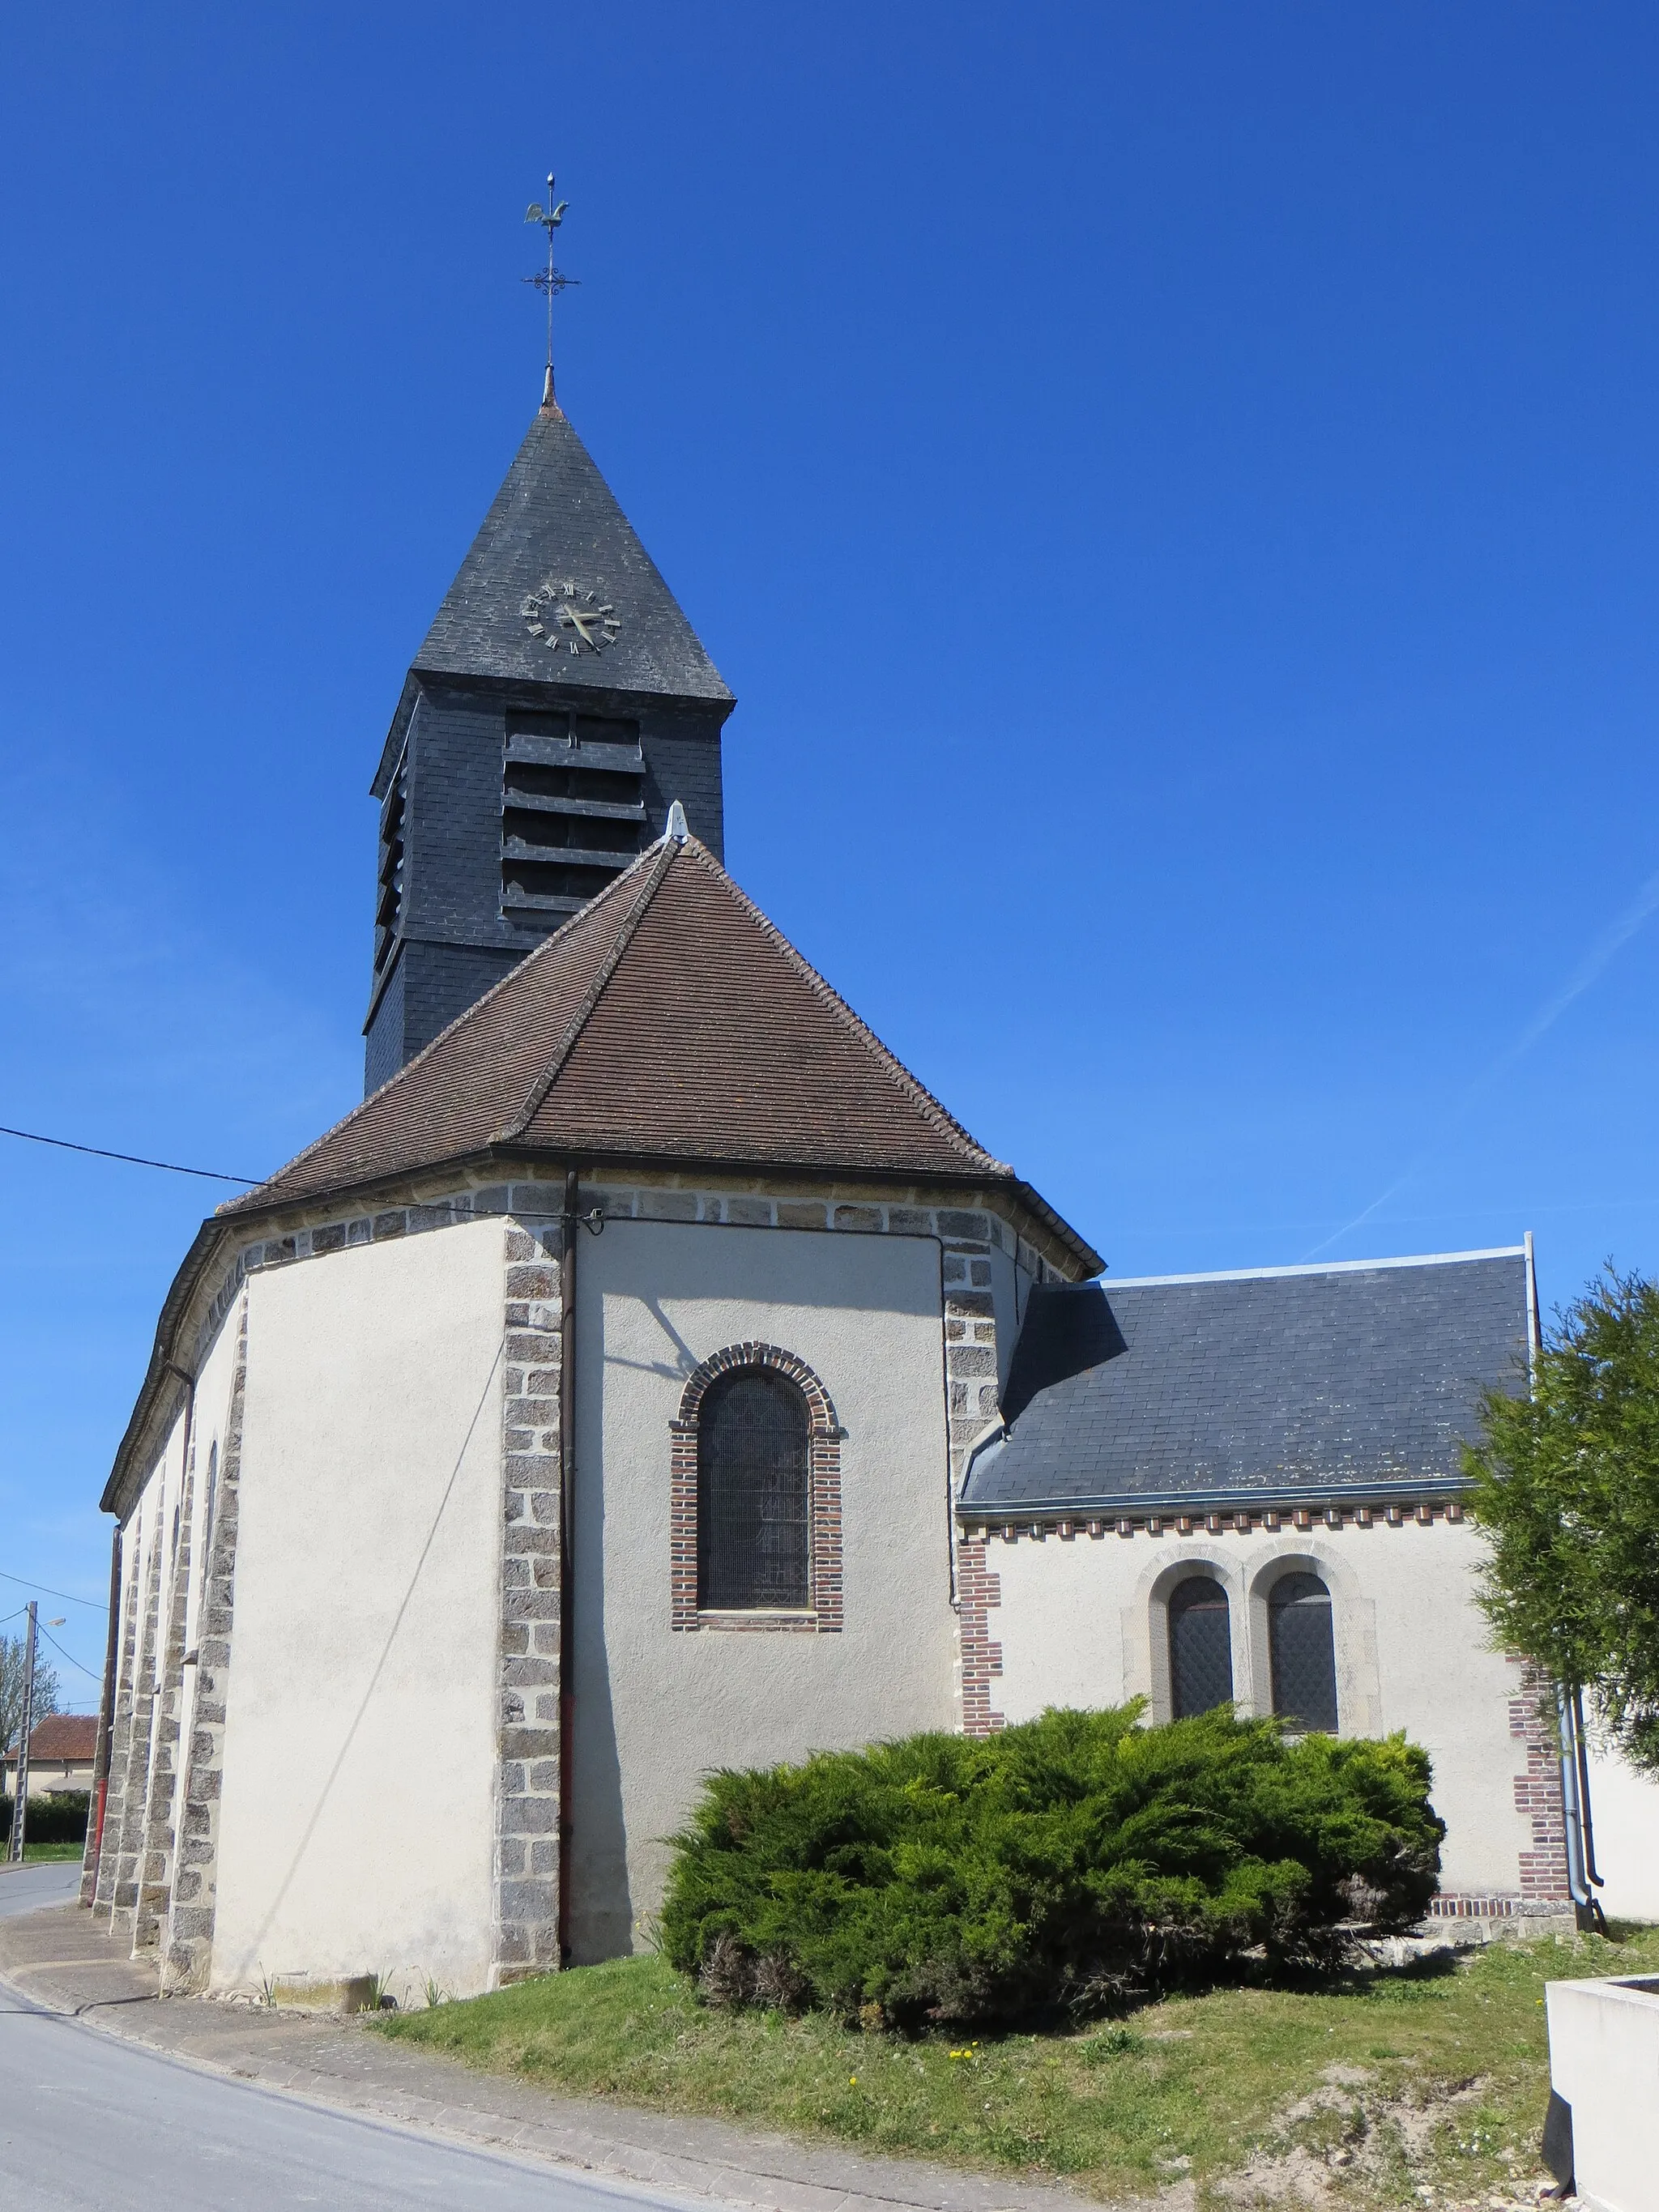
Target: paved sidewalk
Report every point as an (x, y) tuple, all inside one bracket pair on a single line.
[(58, 1959)]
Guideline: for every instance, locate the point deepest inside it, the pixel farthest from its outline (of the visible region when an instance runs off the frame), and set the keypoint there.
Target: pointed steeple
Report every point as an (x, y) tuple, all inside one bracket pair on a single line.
[(559, 700), (558, 590)]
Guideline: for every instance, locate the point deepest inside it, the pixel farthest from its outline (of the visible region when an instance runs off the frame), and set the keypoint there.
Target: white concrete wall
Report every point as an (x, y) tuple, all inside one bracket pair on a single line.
[(655, 1708), (356, 1828), (1081, 1623), (1604, 2061), (1010, 1292), (1625, 1828)]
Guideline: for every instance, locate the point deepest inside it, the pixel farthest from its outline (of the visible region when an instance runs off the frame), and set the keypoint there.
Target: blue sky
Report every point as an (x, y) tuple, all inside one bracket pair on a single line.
[(1173, 488)]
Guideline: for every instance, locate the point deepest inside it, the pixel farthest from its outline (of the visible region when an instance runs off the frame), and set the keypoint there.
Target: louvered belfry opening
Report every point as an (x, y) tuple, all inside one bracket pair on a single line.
[(389, 876), (1200, 1646), (1303, 1642), (573, 810), (753, 1494)]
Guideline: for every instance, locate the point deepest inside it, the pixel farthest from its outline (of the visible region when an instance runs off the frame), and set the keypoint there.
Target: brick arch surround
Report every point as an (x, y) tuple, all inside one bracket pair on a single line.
[(823, 1612)]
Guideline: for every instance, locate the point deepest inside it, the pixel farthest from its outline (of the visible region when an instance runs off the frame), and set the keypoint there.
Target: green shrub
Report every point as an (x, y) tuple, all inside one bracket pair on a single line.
[(1067, 1865), (56, 1816)]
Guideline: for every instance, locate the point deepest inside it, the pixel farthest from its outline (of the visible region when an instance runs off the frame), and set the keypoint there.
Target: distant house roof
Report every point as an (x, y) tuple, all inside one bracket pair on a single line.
[(61, 1738), (1293, 1381)]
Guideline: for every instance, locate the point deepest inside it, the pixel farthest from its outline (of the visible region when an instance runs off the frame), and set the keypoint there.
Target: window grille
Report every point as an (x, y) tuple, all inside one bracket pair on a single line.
[(1303, 1649), (753, 1494), (1200, 1646)]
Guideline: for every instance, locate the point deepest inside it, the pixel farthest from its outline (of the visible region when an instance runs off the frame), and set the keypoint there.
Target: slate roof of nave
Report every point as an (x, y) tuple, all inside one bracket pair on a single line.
[(1308, 1378), (555, 517), (668, 1021)]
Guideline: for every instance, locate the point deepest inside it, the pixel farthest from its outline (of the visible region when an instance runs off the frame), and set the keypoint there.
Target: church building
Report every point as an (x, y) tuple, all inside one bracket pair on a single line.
[(650, 1375)]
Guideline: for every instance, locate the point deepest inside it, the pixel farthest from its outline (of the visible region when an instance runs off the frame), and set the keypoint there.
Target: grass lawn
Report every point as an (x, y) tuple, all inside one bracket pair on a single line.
[(1373, 2092), (33, 1851)]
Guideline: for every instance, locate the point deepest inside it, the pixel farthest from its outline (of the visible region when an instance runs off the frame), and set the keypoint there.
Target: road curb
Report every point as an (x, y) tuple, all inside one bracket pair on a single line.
[(340, 2067)]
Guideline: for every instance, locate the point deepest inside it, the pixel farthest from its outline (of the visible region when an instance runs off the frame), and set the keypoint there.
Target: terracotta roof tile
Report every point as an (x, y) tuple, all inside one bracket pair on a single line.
[(668, 1021), (60, 1737)]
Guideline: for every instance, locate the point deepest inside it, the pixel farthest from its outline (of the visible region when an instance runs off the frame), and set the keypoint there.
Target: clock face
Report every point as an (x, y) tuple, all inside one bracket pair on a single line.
[(569, 617)]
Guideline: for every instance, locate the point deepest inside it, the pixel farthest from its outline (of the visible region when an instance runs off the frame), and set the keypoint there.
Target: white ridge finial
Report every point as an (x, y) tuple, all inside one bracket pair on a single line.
[(677, 832)]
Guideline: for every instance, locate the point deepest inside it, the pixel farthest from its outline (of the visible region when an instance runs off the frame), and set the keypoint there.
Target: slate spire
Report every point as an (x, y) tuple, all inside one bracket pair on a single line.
[(554, 523), (559, 702)]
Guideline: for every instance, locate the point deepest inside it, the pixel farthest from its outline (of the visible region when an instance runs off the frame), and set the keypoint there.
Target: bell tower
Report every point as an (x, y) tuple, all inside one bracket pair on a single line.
[(560, 704)]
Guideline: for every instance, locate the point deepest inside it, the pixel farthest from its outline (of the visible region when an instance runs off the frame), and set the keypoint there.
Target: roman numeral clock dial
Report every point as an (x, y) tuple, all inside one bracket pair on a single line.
[(569, 616)]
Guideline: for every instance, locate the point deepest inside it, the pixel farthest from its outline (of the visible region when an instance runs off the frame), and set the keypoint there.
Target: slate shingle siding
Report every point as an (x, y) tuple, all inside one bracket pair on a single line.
[(1269, 1383)]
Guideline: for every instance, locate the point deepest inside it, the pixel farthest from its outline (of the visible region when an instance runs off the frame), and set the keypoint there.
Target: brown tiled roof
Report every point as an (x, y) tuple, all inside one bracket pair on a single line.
[(668, 1021), (60, 1737)]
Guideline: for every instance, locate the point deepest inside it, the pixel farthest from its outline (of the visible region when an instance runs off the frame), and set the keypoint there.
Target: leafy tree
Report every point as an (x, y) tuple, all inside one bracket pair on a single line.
[(1567, 1487), (12, 1653)]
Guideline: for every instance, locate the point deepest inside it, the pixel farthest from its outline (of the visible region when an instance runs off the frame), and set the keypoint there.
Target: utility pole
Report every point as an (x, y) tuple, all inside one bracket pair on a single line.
[(20, 1812)]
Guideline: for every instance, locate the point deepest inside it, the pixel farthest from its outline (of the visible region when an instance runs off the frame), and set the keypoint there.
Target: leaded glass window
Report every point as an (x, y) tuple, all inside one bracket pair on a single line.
[(1304, 1648), (1200, 1646), (753, 1494)]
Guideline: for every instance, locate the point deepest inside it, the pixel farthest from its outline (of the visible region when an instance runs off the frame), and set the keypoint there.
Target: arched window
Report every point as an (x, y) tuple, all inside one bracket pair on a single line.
[(1200, 1646), (752, 1493), (1303, 1651)]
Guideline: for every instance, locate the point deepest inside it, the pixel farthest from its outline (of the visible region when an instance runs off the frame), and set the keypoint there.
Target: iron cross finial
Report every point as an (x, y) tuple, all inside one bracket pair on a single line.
[(550, 279)]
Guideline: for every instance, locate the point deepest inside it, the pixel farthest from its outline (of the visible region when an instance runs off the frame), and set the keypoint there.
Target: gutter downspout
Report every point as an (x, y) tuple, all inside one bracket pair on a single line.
[(1575, 1803), (105, 1721), (1574, 1762), (568, 1225)]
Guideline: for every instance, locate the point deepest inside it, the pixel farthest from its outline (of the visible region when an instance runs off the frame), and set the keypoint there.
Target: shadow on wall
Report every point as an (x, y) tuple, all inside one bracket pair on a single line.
[(602, 1906), (1075, 1329)]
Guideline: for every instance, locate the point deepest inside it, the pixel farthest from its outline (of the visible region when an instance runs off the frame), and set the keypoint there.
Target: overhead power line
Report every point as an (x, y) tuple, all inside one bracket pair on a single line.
[(132, 1159), (47, 1590), (74, 1662)]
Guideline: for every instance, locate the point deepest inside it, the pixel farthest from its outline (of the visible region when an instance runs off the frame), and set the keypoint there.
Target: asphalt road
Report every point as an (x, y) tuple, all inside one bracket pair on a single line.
[(91, 2124)]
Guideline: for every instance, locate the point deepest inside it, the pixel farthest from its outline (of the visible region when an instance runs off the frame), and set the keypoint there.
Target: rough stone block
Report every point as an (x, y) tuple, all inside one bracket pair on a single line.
[(669, 1204), (530, 1605), (530, 1816), (799, 1213), (527, 1901), (749, 1212), (858, 1217), (971, 1360), (530, 1743), (974, 1225)]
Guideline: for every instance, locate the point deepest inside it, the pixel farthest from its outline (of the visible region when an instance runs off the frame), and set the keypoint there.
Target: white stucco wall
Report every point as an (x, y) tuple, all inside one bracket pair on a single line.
[(1080, 1625), (356, 1824), (1011, 1290), (655, 1708), (1624, 1828)]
